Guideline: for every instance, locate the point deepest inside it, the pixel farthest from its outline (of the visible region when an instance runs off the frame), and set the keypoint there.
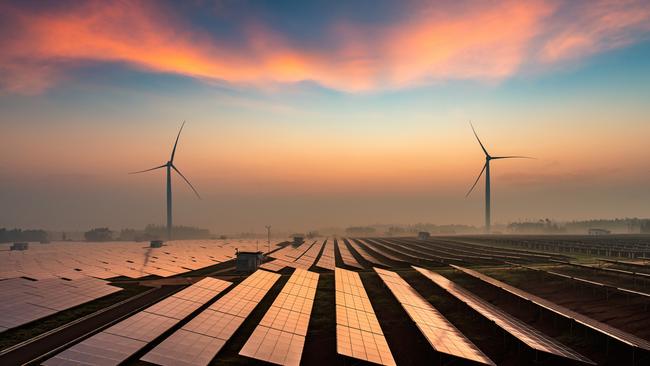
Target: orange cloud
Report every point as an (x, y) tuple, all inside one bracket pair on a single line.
[(484, 41)]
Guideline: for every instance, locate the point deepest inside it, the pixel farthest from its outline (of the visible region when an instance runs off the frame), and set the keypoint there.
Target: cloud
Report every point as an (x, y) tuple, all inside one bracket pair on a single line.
[(484, 41), (596, 27)]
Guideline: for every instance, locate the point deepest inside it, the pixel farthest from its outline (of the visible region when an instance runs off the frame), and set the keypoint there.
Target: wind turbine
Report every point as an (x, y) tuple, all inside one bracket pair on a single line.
[(170, 165), (486, 169)]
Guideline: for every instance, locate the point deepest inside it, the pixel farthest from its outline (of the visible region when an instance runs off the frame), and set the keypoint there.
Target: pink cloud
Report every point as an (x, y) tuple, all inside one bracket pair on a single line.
[(477, 41), (599, 26)]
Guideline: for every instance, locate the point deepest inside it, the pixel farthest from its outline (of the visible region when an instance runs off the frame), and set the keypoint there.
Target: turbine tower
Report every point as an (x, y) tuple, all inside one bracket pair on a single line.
[(170, 165), (486, 169)]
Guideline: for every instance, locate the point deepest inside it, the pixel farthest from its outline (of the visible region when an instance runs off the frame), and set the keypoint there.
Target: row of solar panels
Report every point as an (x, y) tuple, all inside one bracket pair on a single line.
[(630, 247), (305, 255), (280, 335), (597, 326), (589, 282)]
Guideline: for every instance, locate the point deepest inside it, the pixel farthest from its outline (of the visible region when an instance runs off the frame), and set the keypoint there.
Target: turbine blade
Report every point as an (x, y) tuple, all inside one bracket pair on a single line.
[(142, 171), (479, 140), (476, 181), (512, 157), (176, 143), (187, 181)]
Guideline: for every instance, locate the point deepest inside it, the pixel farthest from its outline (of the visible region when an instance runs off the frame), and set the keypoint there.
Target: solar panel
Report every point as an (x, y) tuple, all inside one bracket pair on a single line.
[(358, 333), (187, 349), (280, 336), (309, 257), (440, 333), (346, 255), (520, 330), (212, 328), (327, 259), (600, 327), (275, 265), (118, 342)]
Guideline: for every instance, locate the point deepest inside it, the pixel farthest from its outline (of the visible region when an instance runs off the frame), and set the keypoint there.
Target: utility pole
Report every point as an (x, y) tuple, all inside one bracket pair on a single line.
[(268, 234)]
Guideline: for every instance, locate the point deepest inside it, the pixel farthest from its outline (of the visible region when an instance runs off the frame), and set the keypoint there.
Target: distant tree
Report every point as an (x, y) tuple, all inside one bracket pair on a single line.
[(129, 234), (179, 232), (99, 234), (644, 227), (360, 230), (13, 235)]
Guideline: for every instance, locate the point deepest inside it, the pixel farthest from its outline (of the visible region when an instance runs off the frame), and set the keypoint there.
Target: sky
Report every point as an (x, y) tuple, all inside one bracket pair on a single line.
[(318, 114)]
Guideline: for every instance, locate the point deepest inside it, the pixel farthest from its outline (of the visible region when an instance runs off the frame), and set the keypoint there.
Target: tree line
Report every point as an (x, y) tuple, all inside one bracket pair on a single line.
[(19, 235)]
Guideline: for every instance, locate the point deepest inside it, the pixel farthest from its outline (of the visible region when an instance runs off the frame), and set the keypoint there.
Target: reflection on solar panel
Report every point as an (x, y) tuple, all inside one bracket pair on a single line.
[(198, 341), (441, 334), (280, 336), (327, 260), (358, 333), (346, 255), (603, 328), (118, 342), (520, 330)]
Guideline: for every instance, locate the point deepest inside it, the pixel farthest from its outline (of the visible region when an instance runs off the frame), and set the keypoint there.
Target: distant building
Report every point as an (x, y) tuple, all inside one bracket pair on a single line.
[(19, 246), (298, 239), (249, 261), (156, 244), (424, 235), (595, 231)]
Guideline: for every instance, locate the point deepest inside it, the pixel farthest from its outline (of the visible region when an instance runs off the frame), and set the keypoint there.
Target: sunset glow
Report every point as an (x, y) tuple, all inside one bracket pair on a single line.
[(321, 113)]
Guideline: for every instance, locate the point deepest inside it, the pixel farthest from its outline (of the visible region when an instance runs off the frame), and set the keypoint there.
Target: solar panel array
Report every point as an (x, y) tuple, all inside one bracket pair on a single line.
[(603, 328), (112, 259), (377, 247), (120, 341), (346, 255), (198, 341), (520, 330), (280, 336), (327, 259), (365, 254), (286, 256), (58, 276), (440, 333), (281, 258), (358, 333), (307, 260), (300, 257), (23, 300)]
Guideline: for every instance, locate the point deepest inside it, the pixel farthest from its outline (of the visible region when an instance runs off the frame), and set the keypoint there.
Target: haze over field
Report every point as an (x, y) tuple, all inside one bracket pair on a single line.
[(322, 114)]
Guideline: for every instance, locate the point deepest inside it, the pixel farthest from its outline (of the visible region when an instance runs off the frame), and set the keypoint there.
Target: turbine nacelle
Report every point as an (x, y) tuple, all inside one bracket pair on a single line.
[(170, 163)]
